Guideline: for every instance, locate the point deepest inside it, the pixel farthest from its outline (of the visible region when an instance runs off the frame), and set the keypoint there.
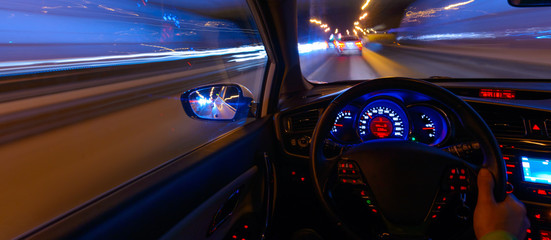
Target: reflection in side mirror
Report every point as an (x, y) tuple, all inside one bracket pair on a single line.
[(529, 3), (218, 102)]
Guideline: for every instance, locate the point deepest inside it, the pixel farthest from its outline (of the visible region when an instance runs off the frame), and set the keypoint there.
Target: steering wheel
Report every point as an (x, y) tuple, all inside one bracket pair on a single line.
[(398, 189)]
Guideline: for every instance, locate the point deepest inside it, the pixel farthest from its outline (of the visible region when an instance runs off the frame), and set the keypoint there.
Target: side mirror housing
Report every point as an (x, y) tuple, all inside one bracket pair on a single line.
[(219, 102), (529, 3)]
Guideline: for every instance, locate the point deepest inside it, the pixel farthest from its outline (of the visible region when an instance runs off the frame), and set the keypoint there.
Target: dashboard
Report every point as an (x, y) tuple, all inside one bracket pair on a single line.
[(521, 126), (391, 115)]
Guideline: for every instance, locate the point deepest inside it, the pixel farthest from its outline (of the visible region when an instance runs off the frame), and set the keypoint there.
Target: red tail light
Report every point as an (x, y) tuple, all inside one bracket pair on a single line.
[(341, 44), (359, 44)]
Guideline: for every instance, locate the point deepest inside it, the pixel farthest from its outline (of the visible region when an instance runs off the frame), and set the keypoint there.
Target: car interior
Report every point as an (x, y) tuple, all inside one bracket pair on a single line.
[(241, 119)]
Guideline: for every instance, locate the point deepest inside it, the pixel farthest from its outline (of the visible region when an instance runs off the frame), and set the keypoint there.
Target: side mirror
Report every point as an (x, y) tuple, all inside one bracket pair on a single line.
[(529, 3), (221, 102)]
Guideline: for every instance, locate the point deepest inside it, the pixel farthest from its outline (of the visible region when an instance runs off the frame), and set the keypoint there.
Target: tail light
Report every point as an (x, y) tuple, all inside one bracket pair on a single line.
[(359, 44), (341, 44)]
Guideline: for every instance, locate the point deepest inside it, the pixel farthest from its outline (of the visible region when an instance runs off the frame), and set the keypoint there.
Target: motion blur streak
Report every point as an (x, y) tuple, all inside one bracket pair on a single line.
[(61, 34), (19, 67), (248, 57), (309, 47), (365, 5), (383, 66), (472, 20), (458, 4)]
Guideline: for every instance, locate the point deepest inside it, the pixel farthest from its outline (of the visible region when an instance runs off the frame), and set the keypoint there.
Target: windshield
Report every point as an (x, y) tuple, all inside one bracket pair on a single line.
[(422, 39)]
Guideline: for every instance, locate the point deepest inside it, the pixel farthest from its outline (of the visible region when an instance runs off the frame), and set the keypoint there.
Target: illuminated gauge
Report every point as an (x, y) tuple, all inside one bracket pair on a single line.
[(429, 125), (383, 119), (343, 127), (428, 128)]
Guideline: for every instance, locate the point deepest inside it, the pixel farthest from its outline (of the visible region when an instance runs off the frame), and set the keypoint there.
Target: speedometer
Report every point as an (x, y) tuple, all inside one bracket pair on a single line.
[(383, 118)]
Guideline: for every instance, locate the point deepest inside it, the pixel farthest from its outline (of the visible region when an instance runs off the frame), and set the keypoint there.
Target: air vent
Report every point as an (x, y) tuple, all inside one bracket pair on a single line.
[(302, 122), (503, 125)]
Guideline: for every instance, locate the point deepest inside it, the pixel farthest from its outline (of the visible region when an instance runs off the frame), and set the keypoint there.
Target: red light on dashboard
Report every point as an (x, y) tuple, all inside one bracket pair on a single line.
[(542, 192), (536, 127), (544, 234), (381, 127), (497, 93), (537, 216)]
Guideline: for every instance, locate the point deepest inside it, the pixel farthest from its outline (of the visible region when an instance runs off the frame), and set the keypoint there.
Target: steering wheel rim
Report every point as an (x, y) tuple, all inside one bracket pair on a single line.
[(468, 118)]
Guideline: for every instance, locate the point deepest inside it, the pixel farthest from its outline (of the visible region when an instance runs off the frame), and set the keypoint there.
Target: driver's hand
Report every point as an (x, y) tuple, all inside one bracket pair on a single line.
[(489, 216)]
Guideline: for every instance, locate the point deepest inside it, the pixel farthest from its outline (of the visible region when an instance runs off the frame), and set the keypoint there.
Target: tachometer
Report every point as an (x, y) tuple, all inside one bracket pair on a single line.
[(342, 121), (343, 126), (430, 126), (383, 118)]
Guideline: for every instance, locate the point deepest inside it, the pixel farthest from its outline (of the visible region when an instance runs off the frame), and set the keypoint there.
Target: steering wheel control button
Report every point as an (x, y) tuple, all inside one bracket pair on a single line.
[(457, 180), (349, 173)]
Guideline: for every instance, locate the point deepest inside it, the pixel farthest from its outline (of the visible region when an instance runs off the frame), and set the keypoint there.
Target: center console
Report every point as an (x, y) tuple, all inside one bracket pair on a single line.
[(529, 172)]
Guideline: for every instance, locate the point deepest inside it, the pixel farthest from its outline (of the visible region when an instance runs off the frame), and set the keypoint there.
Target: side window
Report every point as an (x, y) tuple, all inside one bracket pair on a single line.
[(90, 93)]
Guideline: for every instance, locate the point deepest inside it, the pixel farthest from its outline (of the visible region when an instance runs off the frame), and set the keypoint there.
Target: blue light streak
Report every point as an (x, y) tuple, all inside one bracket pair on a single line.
[(20, 67)]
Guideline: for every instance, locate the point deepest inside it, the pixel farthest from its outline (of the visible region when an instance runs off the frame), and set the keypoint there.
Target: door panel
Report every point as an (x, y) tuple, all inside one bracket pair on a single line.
[(163, 201), (193, 226)]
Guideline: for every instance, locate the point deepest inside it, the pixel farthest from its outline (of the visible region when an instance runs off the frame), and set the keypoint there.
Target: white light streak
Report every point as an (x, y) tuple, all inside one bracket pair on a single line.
[(458, 4), (365, 5)]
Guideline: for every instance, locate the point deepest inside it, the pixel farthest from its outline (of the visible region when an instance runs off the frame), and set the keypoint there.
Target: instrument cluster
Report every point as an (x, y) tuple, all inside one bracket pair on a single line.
[(384, 117)]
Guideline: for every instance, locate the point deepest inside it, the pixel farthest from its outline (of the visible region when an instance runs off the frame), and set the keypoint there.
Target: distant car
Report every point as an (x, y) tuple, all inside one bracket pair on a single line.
[(349, 45)]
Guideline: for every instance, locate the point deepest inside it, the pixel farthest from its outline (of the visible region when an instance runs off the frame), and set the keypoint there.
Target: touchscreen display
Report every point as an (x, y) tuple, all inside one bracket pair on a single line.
[(536, 170)]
